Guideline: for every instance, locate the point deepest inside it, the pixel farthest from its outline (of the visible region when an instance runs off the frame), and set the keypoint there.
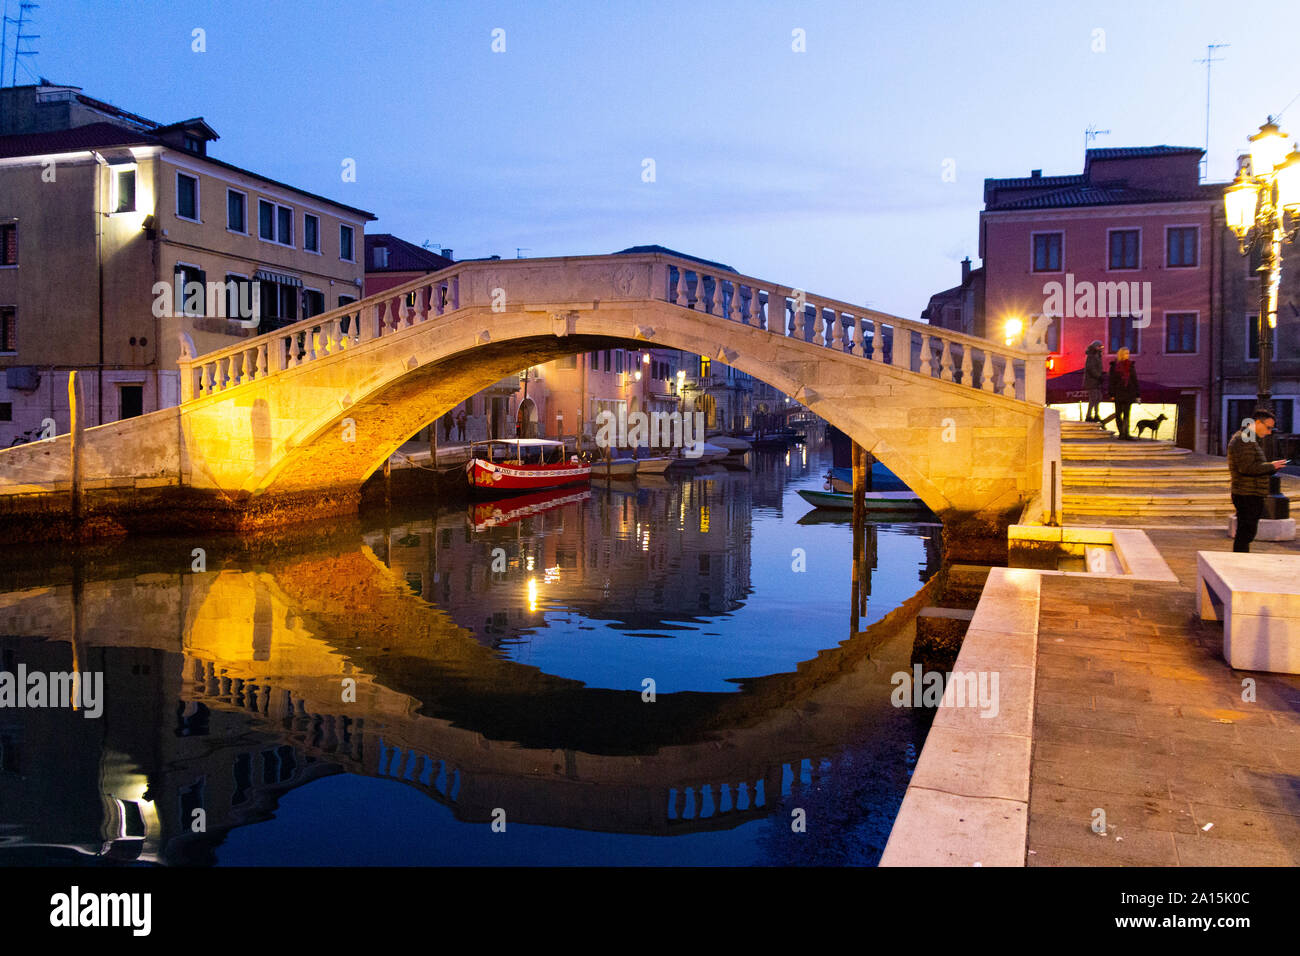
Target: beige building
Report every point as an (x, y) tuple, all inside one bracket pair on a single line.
[(119, 237)]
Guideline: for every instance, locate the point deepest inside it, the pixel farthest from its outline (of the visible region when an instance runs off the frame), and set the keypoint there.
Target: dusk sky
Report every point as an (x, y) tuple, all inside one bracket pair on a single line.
[(820, 169)]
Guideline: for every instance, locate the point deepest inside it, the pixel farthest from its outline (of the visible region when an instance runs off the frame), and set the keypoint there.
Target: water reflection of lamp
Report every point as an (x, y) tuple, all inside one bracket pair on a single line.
[(532, 593)]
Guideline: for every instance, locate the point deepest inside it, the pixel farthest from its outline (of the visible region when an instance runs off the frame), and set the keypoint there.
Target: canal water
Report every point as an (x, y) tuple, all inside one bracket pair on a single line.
[(658, 672)]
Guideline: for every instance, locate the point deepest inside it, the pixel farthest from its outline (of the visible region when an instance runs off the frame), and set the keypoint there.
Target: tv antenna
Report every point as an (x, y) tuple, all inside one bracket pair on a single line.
[(23, 19), (1090, 134), (1209, 59), (520, 250)]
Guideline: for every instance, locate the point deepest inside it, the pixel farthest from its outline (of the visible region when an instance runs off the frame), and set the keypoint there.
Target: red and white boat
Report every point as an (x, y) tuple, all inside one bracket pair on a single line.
[(512, 465)]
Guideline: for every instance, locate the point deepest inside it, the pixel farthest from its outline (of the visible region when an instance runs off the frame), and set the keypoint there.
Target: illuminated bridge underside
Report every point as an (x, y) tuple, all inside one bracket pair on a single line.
[(262, 423)]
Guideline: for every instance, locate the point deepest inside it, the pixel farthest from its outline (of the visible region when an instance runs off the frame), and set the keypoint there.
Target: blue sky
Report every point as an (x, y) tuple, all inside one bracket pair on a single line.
[(819, 169)]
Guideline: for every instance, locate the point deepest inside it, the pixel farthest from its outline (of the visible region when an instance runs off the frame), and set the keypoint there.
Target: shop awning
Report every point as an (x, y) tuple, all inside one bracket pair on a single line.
[(1068, 388), (266, 275)]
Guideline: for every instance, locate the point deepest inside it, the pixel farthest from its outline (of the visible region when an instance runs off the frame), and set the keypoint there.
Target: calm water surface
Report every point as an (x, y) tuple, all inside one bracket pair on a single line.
[(658, 672)]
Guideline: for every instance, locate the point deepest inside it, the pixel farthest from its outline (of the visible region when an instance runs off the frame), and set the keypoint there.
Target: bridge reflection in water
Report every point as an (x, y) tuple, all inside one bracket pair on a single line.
[(226, 690)]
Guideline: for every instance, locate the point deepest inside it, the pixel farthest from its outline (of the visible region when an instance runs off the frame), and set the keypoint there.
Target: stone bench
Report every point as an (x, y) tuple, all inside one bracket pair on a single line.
[(1257, 596)]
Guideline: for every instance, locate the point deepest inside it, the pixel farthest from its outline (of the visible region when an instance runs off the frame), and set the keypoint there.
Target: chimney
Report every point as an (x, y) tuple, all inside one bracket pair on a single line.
[(965, 270), (1035, 174), (446, 253)]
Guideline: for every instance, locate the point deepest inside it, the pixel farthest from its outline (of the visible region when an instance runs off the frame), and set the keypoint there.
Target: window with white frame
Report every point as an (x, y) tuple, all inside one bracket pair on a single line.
[(311, 232), (187, 197), (274, 222), (236, 211), (346, 252), (124, 188)]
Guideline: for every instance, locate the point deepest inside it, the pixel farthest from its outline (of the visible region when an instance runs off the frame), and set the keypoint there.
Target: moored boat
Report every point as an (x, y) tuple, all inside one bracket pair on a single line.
[(616, 468), (873, 501), (513, 465)]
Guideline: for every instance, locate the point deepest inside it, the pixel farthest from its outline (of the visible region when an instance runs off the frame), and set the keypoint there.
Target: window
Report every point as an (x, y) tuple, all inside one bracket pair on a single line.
[(345, 243), (1239, 409), (236, 211), (274, 223), (346, 300), (187, 197), (618, 361), (1123, 334), (311, 233), (8, 328), (124, 184), (239, 298), (1181, 243), (379, 257), (6, 411), (313, 303), (1180, 332), (1252, 339), (1047, 251), (266, 220), (1124, 245), (1053, 337), (131, 401), (704, 367), (191, 290), (9, 244), (279, 302), (609, 361)]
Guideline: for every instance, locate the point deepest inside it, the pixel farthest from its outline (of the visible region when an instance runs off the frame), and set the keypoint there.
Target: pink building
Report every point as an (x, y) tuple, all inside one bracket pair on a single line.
[(1125, 252)]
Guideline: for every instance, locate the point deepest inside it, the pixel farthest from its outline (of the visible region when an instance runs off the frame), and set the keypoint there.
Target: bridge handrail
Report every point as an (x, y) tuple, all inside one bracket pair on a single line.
[(819, 320)]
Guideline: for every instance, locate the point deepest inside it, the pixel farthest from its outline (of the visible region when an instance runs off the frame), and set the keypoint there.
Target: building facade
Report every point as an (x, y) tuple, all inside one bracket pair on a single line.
[(1128, 253), (121, 239)]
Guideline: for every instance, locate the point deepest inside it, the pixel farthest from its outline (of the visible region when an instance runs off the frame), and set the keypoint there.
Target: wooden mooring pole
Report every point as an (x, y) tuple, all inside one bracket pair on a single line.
[(74, 412)]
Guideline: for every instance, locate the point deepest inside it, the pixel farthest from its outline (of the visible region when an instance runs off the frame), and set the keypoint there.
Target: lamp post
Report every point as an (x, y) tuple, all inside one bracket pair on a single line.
[(1262, 208)]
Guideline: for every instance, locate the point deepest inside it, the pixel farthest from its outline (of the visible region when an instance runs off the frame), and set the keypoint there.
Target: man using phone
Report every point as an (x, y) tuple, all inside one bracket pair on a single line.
[(1250, 473)]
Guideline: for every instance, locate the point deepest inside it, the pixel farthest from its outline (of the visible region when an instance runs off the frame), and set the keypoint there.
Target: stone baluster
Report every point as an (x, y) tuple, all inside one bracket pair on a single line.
[(737, 311), (925, 355), (877, 341), (756, 308), (208, 372), (986, 372), (422, 301), (407, 313), (454, 291), (1009, 377), (227, 376), (794, 317), (819, 326), (683, 289), (837, 331), (945, 359), (967, 368)]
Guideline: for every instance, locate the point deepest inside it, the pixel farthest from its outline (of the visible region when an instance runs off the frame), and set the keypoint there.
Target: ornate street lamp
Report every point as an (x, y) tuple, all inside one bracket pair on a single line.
[(1262, 208)]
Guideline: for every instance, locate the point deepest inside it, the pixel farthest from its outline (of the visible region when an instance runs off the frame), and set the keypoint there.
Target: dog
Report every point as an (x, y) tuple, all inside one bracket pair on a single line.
[(1151, 423)]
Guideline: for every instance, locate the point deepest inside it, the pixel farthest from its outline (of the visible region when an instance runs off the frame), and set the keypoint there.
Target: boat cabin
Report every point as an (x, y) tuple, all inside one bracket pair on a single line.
[(519, 451)]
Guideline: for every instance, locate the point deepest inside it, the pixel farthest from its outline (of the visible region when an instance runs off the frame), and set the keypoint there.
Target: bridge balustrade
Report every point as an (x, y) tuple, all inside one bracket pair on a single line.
[(870, 335)]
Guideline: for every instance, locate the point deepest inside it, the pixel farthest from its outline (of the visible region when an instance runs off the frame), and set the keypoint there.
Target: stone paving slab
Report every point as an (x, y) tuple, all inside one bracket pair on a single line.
[(1137, 714)]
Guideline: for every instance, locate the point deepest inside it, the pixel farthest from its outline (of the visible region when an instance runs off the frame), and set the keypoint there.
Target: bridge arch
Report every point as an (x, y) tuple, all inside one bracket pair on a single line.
[(959, 419)]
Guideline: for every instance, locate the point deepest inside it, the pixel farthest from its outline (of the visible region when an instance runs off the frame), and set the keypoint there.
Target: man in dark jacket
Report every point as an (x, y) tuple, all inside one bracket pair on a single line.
[(1250, 473), (1093, 381)]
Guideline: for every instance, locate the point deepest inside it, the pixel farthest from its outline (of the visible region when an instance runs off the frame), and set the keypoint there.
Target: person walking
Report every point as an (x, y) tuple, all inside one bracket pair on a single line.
[(1250, 473), (460, 425), (1093, 380), (447, 422), (1124, 390)]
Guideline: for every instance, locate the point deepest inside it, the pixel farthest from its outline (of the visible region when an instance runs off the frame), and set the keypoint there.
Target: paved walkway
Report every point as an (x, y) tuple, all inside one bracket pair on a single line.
[(1138, 715)]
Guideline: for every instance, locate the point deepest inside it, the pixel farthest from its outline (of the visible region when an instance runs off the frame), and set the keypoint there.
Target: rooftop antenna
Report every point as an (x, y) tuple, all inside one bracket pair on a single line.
[(23, 7), (520, 250), (1090, 134), (1209, 59)]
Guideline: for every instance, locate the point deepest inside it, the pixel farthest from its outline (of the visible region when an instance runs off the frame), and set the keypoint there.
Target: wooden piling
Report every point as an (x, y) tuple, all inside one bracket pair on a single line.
[(75, 490)]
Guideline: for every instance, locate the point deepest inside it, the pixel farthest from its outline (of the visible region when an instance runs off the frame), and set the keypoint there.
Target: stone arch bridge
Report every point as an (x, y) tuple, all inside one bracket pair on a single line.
[(289, 424)]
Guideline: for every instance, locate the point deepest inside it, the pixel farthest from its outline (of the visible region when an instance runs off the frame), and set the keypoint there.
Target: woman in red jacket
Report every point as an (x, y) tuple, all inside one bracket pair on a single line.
[(1123, 389)]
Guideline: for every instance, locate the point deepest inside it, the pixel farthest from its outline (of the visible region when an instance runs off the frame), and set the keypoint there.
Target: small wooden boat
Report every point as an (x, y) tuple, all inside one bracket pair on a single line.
[(653, 466), (619, 469), (734, 446), (514, 465), (874, 501)]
